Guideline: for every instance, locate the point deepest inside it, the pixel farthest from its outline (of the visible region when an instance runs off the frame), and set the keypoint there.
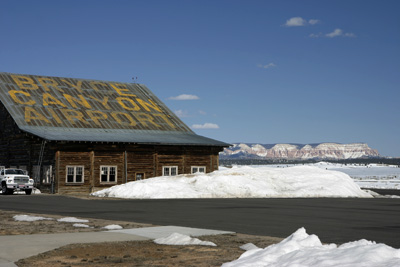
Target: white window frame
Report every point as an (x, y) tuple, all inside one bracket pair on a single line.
[(74, 174), (108, 174), (198, 167), (167, 170)]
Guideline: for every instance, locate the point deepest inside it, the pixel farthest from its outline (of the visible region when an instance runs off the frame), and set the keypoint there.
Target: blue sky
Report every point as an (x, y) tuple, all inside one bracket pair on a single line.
[(237, 71)]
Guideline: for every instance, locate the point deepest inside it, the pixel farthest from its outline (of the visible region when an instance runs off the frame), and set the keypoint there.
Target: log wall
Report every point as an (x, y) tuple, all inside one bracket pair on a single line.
[(141, 160), (21, 150), (148, 160)]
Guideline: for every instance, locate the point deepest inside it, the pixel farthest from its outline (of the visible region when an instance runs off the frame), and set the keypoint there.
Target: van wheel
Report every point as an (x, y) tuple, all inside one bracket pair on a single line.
[(28, 191)]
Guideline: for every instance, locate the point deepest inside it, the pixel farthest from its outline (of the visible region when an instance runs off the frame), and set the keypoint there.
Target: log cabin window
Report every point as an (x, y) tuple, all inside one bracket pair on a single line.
[(200, 169), (108, 174), (170, 170), (74, 174)]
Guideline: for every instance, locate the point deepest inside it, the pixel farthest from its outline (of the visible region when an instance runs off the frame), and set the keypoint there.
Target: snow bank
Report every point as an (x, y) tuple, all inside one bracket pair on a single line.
[(182, 240), (243, 182), (301, 249)]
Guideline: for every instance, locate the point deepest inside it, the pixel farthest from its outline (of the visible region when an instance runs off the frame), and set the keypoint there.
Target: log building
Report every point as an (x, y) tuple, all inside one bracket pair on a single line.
[(80, 136)]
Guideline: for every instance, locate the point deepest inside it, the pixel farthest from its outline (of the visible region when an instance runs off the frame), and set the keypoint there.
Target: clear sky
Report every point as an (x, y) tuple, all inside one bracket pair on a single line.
[(236, 71)]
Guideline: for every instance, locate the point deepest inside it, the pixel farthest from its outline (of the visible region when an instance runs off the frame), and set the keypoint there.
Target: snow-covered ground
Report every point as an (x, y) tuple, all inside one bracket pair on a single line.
[(366, 176), (369, 176), (243, 182)]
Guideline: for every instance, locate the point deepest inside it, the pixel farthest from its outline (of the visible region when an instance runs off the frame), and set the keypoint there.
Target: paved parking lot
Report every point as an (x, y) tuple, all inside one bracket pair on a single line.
[(336, 220)]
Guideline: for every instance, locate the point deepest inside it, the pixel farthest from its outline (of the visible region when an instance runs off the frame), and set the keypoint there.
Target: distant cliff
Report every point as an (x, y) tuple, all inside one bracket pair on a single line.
[(297, 151)]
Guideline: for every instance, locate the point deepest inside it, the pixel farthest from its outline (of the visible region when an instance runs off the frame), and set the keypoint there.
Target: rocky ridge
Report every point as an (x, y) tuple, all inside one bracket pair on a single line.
[(298, 151)]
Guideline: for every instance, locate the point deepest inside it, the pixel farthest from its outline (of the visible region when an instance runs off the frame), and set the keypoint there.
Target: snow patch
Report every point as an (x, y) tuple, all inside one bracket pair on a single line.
[(249, 246), (80, 225), (113, 227), (72, 220), (29, 218)]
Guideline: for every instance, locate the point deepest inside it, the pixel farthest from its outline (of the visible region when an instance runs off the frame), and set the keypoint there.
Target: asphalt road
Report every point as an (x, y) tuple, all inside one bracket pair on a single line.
[(336, 220), (392, 192)]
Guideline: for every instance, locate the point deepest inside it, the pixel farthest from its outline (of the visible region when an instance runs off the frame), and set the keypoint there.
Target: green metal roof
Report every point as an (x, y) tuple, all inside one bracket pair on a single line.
[(68, 109)]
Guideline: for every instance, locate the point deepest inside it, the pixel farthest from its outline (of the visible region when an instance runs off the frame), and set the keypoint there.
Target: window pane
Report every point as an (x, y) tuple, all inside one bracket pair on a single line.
[(194, 170), (104, 177), (70, 170), (173, 171), (112, 174), (79, 175), (166, 171), (202, 169), (79, 178), (70, 174), (104, 174), (70, 178)]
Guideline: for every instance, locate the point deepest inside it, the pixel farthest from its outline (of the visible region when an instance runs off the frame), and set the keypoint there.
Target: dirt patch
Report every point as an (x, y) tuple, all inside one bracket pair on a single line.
[(9, 226), (147, 253), (131, 253)]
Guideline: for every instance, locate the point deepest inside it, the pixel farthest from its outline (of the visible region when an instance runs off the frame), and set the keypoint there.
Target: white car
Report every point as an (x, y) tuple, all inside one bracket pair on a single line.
[(15, 180)]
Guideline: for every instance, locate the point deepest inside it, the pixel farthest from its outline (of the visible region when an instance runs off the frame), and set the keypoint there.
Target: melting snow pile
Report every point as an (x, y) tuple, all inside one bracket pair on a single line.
[(182, 240), (301, 249), (243, 182)]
